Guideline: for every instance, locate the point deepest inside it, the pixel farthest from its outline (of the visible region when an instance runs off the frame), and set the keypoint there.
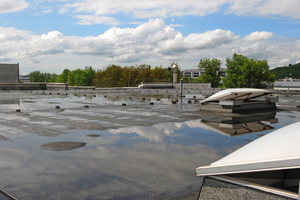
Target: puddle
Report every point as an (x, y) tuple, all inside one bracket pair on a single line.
[(115, 152), (62, 146), (93, 135)]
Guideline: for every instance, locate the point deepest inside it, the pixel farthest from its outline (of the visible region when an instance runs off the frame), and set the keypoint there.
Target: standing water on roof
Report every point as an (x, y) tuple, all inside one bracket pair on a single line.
[(109, 151)]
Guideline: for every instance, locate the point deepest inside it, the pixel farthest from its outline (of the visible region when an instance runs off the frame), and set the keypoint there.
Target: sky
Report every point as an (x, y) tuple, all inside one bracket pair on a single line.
[(52, 35)]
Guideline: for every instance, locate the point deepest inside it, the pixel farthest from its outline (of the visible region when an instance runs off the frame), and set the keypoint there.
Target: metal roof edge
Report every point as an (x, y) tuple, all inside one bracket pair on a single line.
[(248, 167)]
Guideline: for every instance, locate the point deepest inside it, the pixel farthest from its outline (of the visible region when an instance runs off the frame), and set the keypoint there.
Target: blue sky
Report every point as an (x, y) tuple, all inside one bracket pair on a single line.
[(51, 35)]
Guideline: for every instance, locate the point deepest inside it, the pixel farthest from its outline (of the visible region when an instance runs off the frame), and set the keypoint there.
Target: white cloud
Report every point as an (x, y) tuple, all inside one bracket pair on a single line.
[(170, 8), (63, 10), (95, 19), (288, 8), (209, 39), (52, 35), (255, 36), (158, 132), (48, 11), (17, 44), (7, 6), (176, 25), (153, 42), (147, 9)]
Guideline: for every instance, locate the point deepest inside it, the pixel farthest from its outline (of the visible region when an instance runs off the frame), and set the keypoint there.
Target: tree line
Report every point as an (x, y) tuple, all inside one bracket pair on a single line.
[(110, 76), (78, 77), (131, 76), (241, 72)]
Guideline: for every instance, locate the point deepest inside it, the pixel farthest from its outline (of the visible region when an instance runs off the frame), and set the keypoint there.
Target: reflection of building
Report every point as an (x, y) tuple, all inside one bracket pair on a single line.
[(241, 125), (195, 73)]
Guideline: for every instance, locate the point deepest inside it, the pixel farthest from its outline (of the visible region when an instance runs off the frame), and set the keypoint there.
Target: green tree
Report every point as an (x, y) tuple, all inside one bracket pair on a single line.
[(35, 76), (109, 76), (211, 73), (53, 77), (187, 80), (47, 77), (169, 74), (158, 74), (243, 72), (129, 76), (287, 71), (145, 73), (63, 77), (89, 75), (117, 76), (82, 77)]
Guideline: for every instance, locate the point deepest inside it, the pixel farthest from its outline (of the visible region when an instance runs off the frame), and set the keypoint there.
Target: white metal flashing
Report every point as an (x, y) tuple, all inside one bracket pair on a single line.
[(248, 167), (279, 149)]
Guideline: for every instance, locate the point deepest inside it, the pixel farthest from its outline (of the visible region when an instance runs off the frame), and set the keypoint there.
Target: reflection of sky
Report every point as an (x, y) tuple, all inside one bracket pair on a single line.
[(178, 132), (101, 168), (134, 162)]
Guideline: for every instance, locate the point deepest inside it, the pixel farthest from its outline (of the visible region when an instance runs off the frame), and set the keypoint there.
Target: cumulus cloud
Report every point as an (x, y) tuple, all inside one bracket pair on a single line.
[(255, 36), (52, 35), (17, 44), (153, 38), (152, 42), (209, 39)]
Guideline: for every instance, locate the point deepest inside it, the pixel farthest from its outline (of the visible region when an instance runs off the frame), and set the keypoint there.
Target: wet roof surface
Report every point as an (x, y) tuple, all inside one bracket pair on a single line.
[(109, 151)]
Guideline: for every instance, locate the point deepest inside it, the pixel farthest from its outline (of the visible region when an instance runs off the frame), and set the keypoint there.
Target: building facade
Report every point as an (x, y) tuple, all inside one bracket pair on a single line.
[(195, 73), (9, 73)]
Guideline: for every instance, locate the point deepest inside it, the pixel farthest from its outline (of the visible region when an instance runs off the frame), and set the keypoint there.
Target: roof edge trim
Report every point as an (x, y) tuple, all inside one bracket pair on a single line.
[(249, 167)]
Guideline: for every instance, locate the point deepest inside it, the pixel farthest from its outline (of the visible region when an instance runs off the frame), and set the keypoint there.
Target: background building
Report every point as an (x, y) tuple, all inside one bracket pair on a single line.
[(9, 73), (24, 78), (195, 73)]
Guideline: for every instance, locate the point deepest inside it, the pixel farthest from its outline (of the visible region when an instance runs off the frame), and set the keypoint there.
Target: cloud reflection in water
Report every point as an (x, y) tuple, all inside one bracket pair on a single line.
[(158, 132)]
